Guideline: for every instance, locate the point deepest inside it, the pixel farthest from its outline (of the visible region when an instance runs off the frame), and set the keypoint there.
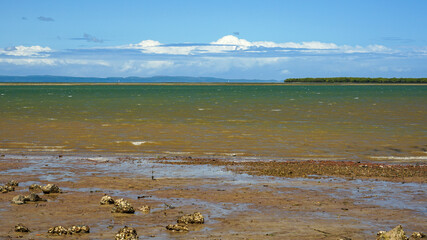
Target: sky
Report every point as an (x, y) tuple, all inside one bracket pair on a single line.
[(250, 39)]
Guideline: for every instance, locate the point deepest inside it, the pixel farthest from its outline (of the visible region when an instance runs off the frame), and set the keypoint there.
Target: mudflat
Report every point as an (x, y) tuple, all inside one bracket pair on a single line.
[(239, 199)]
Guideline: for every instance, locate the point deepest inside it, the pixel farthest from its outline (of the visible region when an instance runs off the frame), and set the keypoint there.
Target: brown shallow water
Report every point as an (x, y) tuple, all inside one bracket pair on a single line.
[(373, 123), (235, 205)]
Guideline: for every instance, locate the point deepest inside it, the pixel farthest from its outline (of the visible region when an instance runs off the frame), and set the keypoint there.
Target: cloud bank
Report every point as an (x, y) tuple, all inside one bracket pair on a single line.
[(228, 56)]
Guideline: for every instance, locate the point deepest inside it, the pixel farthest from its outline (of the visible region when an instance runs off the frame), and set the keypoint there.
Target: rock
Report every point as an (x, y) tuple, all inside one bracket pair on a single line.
[(21, 228), (33, 198), (126, 233), (177, 227), (7, 188), (19, 199), (396, 233), (50, 188), (35, 187), (196, 217), (12, 183), (79, 229), (417, 236), (145, 209), (106, 200), (122, 206), (59, 230)]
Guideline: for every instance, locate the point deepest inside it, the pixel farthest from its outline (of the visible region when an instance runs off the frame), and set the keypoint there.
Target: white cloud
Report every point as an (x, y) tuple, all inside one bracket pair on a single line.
[(233, 44), (52, 61), (26, 51)]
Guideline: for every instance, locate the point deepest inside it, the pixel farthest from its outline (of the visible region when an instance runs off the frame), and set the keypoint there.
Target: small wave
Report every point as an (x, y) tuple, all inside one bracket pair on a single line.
[(135, 143), (233, 154), (276, 110)]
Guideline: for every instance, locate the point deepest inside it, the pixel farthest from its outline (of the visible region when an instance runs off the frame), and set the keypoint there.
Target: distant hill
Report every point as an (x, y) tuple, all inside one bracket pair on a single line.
[(356, 80), (156, 79)]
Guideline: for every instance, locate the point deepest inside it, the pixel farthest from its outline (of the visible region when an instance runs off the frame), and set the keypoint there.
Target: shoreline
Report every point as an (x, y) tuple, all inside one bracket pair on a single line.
[(236, 205)]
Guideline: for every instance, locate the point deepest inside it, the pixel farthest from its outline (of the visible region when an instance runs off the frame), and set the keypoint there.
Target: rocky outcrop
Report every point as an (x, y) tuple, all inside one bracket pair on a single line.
[(6, 189), (12, 183), (60, 230), (196, 218), (397, 233), (51, 188), (122, 206), (21, 199), (126, 233), (35, 187), (145, 209), (21, 228), (177, 227), (106, 200)]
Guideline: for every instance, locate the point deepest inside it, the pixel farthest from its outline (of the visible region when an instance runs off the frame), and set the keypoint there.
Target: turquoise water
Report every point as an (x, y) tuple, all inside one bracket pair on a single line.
[(324, 121)]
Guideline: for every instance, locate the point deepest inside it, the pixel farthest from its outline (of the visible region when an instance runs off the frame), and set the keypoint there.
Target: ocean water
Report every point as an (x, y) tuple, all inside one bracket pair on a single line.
[(374, 122)]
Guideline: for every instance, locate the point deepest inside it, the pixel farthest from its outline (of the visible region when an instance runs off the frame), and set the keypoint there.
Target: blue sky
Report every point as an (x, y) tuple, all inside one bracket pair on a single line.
[(253, 39)]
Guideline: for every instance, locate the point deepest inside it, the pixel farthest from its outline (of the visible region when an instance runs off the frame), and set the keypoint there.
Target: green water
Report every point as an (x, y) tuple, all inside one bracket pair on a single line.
[(351, 122)]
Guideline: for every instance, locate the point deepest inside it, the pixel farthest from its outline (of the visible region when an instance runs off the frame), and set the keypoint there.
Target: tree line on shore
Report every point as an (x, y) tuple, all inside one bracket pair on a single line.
[(357, 80)]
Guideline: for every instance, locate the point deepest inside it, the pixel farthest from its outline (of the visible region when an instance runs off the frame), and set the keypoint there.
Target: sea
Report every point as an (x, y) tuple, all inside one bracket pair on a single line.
[(244, 121)]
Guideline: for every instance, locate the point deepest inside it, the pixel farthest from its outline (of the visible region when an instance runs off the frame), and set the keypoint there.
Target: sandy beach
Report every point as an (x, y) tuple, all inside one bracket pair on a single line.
[(237, 198)]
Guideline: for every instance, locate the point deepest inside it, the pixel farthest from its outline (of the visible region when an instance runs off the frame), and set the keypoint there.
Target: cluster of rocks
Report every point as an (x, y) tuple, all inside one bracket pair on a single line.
[(9, 186), (60, 230), (21, 199), (183, 221), (397, 233), (120, 205), (126, 233), (49, 188)]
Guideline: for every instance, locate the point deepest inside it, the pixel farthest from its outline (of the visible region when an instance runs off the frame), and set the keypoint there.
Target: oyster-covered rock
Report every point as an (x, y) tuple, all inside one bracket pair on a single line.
[(59, 230), (396, 233), (106, 200), (145, 209), (417, 236), (33, 198), (7, 188), (196, 217), (50, 188), (19, 199), (126, 233), (79, 229), (35, 187), (122, 206), (21, 228), (12, 183), (177, 227)]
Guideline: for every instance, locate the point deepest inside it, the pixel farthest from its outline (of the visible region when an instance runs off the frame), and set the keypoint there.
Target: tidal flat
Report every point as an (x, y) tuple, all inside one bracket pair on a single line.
[(235, 204)]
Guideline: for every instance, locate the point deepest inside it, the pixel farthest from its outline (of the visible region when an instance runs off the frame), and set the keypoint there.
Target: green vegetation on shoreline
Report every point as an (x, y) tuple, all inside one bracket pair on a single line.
[(355, 80)]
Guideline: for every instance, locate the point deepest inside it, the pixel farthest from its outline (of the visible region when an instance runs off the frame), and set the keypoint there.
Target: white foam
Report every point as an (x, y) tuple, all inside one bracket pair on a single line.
[(276, 110)]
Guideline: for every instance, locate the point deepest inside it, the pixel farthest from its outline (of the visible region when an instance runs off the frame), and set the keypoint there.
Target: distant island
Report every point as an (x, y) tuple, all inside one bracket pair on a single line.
[(355, 80)]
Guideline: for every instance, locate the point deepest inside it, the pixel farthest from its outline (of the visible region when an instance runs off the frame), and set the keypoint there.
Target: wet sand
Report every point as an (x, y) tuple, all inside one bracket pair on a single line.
[(240, 200)]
